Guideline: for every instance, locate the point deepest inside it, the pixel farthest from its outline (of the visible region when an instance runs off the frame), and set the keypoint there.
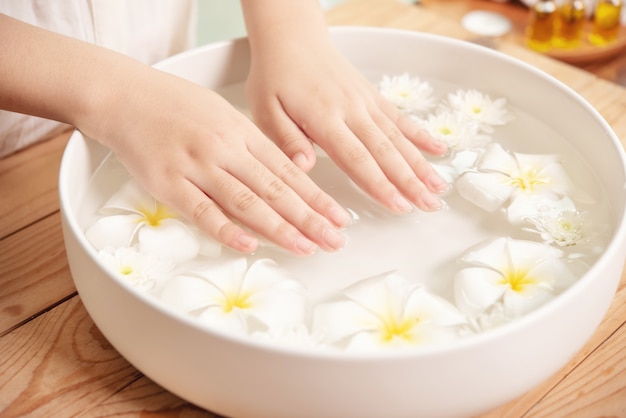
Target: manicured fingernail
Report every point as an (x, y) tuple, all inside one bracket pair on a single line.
[(431, 202), (247, 242), (304, 245), (438, 184), (301, 160), (333, 238), (339, 216), (402, 204)]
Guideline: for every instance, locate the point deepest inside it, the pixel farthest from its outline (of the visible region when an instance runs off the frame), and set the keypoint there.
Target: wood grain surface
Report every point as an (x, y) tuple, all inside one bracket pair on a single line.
[(55, 363)]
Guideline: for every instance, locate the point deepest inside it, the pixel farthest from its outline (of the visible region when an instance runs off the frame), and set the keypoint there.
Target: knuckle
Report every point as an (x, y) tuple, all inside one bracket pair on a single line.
[(204, 210), (275, 189), (358, 155), (384, 149), (244, 200)]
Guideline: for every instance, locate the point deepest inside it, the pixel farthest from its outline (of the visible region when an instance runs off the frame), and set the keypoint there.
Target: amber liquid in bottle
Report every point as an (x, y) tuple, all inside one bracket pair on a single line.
[(541, 26), (606, 22), (569, 24)]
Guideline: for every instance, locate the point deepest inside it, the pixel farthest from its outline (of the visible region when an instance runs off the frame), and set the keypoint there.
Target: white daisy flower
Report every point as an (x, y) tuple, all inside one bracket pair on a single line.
[(479, 107), (565, 229), (141, 270), (454, 130), (386, 312), (409, 94)]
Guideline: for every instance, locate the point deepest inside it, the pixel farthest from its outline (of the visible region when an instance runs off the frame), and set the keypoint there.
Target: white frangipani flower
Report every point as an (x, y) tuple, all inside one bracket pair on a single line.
[(386, 312), (479, 107), (409, 94), (230, 296), (131, 216), (141, 270), (455, 130), (521, 275), (501, 176)]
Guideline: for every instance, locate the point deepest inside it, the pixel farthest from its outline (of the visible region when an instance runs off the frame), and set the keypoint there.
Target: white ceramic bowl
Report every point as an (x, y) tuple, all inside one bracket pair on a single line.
[(244, 378)]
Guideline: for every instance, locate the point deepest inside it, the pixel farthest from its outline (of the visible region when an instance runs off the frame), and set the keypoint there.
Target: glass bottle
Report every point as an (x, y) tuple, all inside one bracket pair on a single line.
[(540, 28), (569, 24), (606, 22)]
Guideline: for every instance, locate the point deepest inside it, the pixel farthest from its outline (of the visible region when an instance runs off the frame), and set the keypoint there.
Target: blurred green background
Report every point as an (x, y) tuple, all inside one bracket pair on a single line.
[(222, 19)]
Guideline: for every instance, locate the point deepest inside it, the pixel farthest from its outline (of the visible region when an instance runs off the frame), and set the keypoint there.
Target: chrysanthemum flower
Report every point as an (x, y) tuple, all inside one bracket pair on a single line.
[(564, 229), (479, 107), (140, 270), (409, 94), (455, 130)]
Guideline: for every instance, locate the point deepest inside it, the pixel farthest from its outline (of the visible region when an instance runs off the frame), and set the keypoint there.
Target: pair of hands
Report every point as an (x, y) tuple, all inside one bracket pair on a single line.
[(196, 153)]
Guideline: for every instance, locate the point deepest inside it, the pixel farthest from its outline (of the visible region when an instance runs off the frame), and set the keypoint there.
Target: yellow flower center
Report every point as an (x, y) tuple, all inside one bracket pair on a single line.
[(391, 329), (238, 300), (126, 270), (477, 109), (154, 217), (528, 180), (518, 280), (445, 130)]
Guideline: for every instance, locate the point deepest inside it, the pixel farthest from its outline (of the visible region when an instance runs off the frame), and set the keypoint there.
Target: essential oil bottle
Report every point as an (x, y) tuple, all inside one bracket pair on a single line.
[(606, 22), (541, 25), (569, 24)]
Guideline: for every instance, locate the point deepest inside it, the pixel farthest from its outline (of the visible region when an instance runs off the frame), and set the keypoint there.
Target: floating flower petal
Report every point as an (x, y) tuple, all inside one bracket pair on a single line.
[(521, 275), (386, 312)]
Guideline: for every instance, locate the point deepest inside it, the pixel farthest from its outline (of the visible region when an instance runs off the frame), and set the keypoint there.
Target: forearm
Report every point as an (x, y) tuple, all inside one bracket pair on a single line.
[(284, 26), (56, 77)]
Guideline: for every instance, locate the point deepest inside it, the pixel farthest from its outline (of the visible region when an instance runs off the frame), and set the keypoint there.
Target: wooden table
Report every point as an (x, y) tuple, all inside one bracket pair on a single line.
[(55, 363)]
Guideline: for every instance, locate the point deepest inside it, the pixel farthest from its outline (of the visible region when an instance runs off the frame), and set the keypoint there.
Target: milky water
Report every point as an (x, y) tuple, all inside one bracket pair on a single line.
[(423, 247)]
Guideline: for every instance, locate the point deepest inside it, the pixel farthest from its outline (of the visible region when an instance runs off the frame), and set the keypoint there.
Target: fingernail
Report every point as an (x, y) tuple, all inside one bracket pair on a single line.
[(247, 242), (431, 202), (304, 245), (301, 160), (402, 204), (333, 238), (437, 183), (339, 216)]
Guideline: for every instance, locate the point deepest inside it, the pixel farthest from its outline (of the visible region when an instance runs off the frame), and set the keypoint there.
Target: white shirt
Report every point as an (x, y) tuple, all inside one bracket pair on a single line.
[(147, 30)]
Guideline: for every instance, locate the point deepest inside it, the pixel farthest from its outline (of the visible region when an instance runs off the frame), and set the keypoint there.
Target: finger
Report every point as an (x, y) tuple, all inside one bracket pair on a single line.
[(412, 155), (412, 131), (403, 166), (276, 193), (198, 208), (276, 124), (356, 160)]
